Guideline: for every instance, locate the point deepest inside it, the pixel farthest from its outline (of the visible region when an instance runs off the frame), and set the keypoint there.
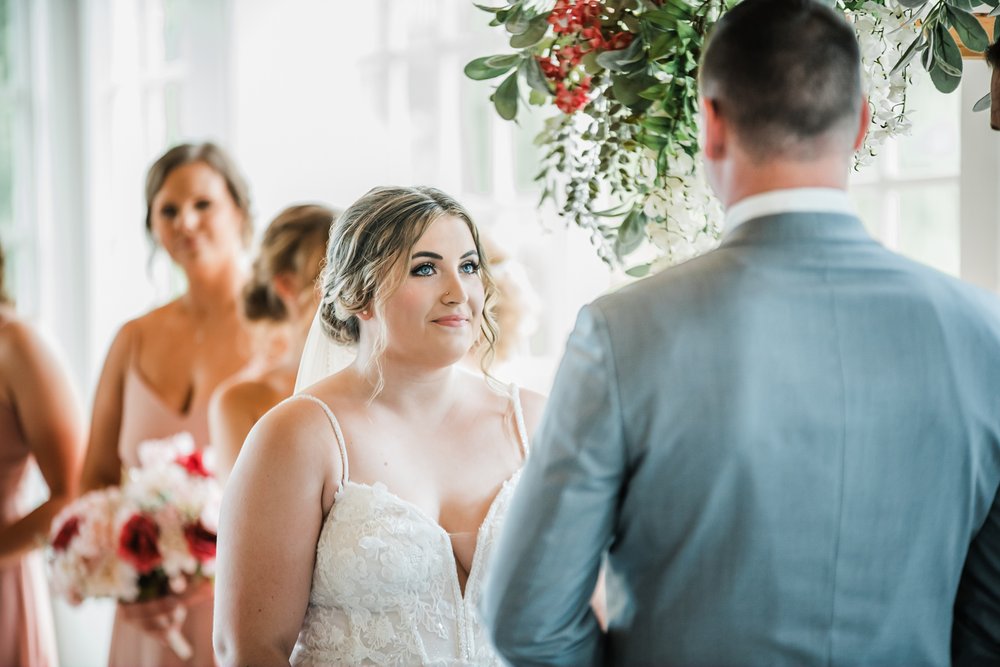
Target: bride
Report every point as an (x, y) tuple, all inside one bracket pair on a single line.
[(360, 516)]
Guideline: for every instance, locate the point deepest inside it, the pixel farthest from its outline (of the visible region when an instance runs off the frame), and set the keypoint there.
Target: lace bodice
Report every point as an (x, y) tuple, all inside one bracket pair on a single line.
[(385, 589)]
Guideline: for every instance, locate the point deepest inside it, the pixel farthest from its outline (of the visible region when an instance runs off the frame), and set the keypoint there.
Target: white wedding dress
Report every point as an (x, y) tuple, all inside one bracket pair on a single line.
[(385, 589)]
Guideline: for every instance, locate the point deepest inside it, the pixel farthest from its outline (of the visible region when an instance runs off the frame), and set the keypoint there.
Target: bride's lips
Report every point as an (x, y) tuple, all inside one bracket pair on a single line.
[(451, 321)]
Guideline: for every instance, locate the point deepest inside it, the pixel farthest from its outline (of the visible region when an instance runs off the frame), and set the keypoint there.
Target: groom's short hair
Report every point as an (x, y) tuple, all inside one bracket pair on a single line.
[(784, 74)]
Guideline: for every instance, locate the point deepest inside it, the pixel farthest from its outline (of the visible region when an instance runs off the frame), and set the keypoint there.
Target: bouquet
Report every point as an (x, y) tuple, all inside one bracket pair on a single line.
[(147, 539)]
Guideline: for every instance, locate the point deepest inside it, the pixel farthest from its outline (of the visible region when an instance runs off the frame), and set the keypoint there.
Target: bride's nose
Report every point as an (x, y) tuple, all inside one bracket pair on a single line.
[(454, 290)]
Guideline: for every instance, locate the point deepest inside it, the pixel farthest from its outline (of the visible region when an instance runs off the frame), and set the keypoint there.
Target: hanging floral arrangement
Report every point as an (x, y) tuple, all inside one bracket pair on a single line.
[(620, 156)]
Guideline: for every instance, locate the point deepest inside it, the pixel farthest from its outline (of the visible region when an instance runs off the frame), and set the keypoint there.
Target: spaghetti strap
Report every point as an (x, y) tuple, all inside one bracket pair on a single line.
[(346, 475), (522, 431)]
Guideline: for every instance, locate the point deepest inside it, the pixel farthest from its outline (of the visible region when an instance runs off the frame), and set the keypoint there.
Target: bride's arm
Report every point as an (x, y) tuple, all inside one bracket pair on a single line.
[(272, 513)]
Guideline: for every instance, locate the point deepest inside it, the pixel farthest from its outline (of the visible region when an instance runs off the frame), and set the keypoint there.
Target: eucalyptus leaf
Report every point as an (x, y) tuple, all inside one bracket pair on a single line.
[(983, 104), (995, 12), (479, 69), (626, 89), (967, 5), (929, 56), (944, 82), (589, 63), (911, 50), (537, 28), (534, 77), (640, 271), (631, 232), (505, 97), (536, 98), (996, 27), (517, 22), (507, 60), (969, 30), (492, 10), (662, 45), (946, 50)]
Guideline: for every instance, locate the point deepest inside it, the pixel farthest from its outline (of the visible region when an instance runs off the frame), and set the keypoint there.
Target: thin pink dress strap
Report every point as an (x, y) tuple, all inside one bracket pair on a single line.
[(522, 431), (346, 476)]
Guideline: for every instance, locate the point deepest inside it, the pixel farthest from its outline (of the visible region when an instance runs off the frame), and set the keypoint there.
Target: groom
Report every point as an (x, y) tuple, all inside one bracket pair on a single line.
[(785, 452)]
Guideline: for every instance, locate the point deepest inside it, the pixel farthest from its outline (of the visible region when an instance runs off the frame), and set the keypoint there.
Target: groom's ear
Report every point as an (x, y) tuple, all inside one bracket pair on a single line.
[(714, 130)]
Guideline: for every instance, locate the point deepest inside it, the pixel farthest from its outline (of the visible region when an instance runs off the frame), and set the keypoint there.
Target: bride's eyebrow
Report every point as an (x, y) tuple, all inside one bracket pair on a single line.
[(434, 255)]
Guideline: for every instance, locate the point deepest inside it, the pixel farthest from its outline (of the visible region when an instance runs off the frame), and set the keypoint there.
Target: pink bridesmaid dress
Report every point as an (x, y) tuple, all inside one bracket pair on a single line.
[(27, 638), (146, 417)]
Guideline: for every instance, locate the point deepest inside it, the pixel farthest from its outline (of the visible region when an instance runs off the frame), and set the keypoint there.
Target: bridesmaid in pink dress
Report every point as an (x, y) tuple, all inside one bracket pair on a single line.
[(40, 420), (163, 367)]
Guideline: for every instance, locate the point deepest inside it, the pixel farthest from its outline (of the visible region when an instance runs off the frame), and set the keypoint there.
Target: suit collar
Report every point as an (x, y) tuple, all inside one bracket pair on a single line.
[(788, 200), (799, 227)]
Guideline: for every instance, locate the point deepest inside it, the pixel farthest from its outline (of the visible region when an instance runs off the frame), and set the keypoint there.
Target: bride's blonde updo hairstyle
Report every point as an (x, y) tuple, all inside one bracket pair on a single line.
[(367, 259)]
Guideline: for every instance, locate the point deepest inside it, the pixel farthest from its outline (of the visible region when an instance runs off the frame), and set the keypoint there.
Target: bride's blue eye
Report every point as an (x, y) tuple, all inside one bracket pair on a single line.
[(470, 267), (422, 270)]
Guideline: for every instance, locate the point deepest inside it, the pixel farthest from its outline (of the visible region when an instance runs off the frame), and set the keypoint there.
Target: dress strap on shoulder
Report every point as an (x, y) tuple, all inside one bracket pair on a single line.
[(522, 431), (346, 474)]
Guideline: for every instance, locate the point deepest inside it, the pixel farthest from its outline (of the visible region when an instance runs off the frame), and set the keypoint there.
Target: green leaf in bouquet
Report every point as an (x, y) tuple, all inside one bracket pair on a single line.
[(631, 233), (656, 92), (983, 104), (944, 81), (626, 89), (929, 57), (663, 45), (480, 69), (664, 17), (536, 98), (537, 28), (969, 30), (507, 60), (534, 77), (966, 5), (590, 64), (639, 271), (913, 49), (996, 25), (492, 10), (517, 21), (946, 50), (505, 97)]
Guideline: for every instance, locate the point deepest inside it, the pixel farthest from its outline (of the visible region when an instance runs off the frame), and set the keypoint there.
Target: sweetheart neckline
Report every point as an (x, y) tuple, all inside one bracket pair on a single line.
[(426, 518), (164, 405)]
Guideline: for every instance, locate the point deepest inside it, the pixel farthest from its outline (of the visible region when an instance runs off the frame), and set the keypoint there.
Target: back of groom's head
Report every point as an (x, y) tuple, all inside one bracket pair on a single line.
[(785, 74)]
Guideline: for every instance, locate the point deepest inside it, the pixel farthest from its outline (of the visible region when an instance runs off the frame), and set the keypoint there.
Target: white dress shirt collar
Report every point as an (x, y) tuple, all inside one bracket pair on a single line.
[(792, 200)]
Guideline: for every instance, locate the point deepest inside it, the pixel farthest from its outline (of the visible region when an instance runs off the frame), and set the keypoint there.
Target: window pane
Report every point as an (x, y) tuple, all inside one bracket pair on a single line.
[(172, 28), (5, 41), (477, 160), (172, 114), (528, 156), (929, 227), (932, 148), (6, 172)]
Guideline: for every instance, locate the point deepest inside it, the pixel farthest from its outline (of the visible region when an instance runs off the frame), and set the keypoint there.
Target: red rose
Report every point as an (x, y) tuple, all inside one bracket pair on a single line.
[(137, 543), (69, 530), (201, 541), (194, 464)]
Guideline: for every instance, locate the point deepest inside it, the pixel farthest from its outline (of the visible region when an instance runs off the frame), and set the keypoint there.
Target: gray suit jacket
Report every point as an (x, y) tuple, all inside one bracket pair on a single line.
[(783, 451)]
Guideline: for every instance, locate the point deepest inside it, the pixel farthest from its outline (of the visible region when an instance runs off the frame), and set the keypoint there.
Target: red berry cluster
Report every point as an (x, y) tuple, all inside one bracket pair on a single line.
[(577, 23)]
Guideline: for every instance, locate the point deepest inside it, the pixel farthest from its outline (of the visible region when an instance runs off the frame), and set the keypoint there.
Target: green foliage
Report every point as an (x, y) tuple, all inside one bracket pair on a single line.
[(643, 93)]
